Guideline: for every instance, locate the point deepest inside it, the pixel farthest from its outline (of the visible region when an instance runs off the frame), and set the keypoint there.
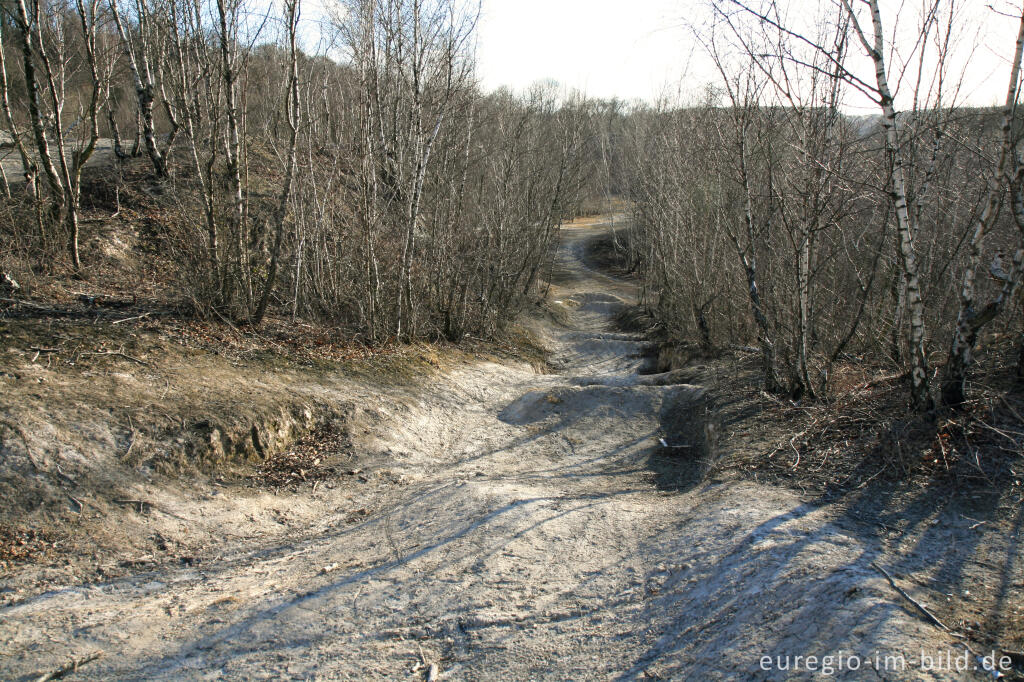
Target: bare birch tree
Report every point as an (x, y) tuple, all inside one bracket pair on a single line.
[(44, 40)]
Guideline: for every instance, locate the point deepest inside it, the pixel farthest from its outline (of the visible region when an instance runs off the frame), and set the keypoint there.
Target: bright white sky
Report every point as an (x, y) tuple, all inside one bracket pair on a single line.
[(643, 49), (606, 48), (635, 48)]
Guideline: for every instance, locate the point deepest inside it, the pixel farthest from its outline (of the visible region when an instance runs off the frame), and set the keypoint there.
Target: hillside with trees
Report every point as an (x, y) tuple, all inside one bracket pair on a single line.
[(321, 359)]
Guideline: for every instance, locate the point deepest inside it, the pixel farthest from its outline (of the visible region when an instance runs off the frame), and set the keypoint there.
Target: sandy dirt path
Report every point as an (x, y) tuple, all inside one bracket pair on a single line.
[(540, 532)]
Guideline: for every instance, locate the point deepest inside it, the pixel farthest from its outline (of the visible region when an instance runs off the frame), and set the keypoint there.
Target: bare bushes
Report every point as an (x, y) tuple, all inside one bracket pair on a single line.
[(375, 188), (769, 214)]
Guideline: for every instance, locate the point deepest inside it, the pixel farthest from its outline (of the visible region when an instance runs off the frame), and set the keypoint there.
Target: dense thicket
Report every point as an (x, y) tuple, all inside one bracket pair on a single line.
[(378, 188), (370, 183), (770, 214)]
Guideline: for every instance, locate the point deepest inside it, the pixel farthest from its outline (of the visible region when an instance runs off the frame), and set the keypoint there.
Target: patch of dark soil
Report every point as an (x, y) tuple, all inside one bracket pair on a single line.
[(687, 448), (635, 319), (101, 189), (21, 545), (318, 456), (609, 253)]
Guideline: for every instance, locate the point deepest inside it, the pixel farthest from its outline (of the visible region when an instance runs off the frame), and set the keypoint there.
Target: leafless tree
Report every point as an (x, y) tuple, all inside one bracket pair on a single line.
[(142, 45)]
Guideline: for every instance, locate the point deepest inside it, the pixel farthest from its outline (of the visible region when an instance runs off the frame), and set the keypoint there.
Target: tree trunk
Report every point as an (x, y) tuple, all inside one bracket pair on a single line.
[(969, 322), (803, 383), (142, 77), (772, 383), (292, 106), (920, 393)]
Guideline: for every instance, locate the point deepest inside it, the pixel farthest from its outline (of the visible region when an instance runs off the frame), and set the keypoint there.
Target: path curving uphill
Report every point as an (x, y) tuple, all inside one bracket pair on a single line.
[(538, 529)]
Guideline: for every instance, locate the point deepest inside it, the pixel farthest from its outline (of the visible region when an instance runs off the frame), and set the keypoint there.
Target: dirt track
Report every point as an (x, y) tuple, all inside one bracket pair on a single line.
[(535, 529)]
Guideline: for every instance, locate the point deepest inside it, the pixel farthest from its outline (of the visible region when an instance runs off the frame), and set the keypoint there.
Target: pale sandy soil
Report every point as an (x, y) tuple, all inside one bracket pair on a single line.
[(515, 526)]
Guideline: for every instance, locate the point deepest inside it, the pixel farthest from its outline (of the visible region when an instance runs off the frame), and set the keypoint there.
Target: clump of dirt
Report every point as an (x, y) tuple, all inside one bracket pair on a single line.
[(522, 343), (635, 318)]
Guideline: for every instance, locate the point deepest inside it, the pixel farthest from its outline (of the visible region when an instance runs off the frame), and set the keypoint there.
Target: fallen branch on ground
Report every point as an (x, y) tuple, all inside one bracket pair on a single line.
[(118, 354), (28, 450), (70, 667), (28, 304), (928, 614), (134, 437), (1017, 656), (141, 505), (664, 444), (129, 319)]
